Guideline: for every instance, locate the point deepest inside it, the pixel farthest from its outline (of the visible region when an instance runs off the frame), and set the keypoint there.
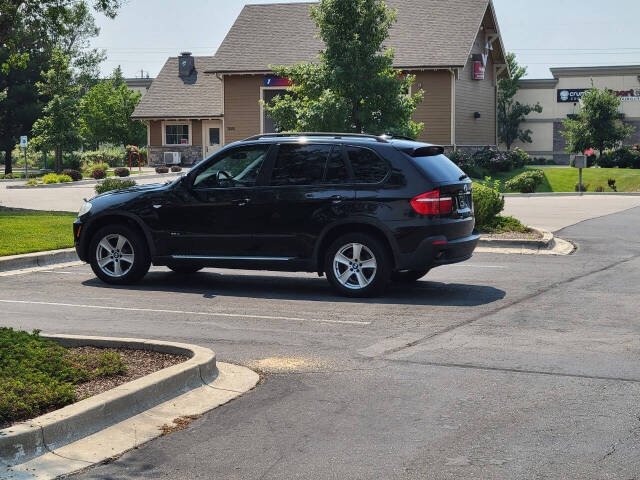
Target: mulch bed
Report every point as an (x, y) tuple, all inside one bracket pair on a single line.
[(530, 235), (139, 363)]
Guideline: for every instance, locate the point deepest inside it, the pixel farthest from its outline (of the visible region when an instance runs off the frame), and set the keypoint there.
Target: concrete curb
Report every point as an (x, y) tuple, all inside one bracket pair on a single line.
[(28, 440), (534, 243), (573, 194), (37, 259), (170, 175)]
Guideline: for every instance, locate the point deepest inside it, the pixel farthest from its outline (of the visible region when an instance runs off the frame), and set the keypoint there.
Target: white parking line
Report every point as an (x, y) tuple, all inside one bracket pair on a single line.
[(180, 312), (472, 265)]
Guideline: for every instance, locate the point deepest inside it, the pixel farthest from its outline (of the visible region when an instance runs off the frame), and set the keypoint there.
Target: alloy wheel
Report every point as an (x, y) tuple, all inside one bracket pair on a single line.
[(355, 266), (115, 255)]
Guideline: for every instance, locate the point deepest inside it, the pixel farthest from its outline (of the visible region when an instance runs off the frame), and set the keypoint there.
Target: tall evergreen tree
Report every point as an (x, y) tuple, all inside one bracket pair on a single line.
[(58, 128)]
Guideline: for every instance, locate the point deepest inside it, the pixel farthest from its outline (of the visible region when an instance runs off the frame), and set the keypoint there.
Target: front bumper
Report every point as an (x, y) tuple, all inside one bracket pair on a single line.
[(80, 246), (435, 251)]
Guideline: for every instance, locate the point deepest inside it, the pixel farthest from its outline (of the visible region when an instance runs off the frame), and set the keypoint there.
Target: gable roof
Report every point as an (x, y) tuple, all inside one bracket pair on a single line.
[(196, 96), (427, 34)]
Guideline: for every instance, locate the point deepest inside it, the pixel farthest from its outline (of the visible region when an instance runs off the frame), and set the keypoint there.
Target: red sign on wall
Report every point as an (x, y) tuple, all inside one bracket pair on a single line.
[(478, 70)]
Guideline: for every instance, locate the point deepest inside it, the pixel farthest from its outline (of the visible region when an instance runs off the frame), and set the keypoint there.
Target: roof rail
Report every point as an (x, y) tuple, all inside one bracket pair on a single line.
[(377, 138)]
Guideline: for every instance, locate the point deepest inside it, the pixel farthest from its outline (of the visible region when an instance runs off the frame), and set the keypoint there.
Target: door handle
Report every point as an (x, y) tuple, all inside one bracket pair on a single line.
[(337, 199), (241, 202)]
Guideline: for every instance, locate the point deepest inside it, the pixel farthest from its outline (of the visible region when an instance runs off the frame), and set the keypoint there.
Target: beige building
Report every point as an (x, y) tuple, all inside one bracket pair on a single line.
[(140, 85), (560, 98), (198, 104)]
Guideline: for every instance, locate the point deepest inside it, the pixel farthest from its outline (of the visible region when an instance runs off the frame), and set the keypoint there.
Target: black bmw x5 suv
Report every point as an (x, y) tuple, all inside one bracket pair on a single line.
[(363, 210)]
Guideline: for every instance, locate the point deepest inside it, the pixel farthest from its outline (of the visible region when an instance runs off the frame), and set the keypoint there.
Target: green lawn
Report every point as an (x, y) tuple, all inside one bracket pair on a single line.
[(564, 179), (25, 232)]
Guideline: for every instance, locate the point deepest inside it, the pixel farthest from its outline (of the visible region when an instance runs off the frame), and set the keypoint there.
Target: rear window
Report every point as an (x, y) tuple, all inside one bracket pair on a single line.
[(438, 169)]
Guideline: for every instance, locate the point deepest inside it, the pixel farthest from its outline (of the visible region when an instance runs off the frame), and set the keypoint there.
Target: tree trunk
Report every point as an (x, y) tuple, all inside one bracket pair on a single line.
[(58, 165), (8, 168)]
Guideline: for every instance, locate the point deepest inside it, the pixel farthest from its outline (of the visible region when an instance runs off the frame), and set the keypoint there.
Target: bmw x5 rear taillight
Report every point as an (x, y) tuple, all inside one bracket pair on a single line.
[(431, 203)]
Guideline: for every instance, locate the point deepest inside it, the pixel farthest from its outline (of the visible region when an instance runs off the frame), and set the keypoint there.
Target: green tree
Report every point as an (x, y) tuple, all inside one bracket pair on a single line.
[(512, 113), (105, 114), (29, 31), (58, 128), (598, 124), (354, 88)]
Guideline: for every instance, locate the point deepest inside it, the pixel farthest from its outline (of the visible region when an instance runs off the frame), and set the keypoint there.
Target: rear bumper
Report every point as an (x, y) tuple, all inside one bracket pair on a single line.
[(435, 251)]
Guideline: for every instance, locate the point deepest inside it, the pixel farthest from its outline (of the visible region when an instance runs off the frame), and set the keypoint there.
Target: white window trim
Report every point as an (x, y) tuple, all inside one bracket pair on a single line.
[(176, 122), (262, 89)]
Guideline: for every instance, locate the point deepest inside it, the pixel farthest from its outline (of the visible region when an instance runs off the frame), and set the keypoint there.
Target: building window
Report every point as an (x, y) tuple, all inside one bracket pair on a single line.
[(176, 134)]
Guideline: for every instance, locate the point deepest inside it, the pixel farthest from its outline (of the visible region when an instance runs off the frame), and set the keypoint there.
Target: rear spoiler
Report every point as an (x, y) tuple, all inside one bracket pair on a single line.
[(426, 151)]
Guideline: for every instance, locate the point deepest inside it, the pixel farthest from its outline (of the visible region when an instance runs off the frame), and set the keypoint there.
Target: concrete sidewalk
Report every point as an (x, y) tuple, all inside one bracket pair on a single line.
[(64, 199), (556, 212)]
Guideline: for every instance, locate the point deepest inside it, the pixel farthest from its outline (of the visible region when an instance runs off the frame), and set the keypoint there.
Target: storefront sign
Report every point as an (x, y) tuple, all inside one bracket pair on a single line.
[(573, 95), (630, 95), (271, 81), (570, 95), (478, 70)]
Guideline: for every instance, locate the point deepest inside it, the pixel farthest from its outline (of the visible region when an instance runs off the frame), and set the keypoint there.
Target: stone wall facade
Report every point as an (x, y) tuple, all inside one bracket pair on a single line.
[(189, 155)]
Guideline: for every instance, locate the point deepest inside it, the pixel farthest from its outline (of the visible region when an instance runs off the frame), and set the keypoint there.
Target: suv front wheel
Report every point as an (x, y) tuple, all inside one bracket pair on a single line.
[(357, 265), (118, 255)]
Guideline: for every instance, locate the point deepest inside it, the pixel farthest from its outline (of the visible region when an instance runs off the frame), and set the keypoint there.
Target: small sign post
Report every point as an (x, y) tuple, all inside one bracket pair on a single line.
[(23, 144), (580, 162)]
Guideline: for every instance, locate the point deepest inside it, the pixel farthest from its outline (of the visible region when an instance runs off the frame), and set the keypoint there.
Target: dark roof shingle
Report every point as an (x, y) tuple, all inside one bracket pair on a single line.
[(196, 96), (428, 33)]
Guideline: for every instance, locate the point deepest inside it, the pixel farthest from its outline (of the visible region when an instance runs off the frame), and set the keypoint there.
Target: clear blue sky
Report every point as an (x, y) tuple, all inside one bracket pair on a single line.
[(543, 33)]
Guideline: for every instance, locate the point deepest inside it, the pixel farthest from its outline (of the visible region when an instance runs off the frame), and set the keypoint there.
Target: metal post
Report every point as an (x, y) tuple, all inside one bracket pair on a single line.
[(26, 168), (44, 160), (580, 180)]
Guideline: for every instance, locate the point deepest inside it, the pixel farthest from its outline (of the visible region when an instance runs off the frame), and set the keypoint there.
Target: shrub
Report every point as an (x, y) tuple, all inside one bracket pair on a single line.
[(50, 178), (32, 181), (121, 172), (519, 158), (113, 157), (74, 174), (37, 375), (585, 187), (492, 160), (64, 179), (526, 182), (162, 169), (176, 168), (487, 204), (114, 184), (98, 173), (599, 189), (550, 162), (71, 161), (500, 224)]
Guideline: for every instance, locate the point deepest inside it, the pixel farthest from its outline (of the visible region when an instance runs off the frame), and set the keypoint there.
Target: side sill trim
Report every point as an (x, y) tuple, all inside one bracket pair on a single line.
[(208, 257)]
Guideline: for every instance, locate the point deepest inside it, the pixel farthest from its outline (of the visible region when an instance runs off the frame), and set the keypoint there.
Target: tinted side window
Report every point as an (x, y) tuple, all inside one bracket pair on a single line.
[(336, 169), (367, 166), (300, 164), (239, 167)]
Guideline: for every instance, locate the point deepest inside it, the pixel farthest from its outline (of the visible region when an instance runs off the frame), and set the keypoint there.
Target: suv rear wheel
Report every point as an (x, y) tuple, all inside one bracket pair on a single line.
[(118, 255), (357, 265)]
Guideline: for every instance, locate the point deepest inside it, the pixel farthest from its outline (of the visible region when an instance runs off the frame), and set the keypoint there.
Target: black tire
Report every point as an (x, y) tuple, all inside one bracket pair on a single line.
[(131, 271), (185, 269), (408, 276), (378, 280)]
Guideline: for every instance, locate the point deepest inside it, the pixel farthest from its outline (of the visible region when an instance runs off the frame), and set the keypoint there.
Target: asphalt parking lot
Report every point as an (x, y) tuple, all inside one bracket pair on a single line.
[(507, 366)]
